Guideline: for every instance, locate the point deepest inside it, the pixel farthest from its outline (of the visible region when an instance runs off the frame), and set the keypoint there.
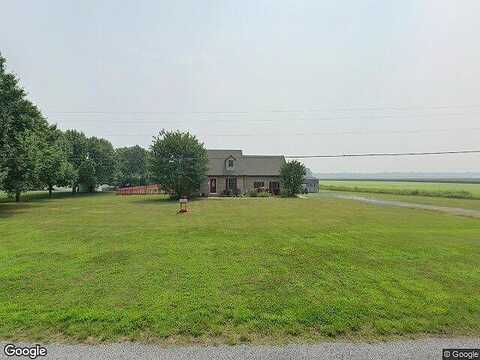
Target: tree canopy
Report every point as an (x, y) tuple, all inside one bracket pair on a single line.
[(86, 175), (35, 155), (21, 129), (102, 155), (292, 175), (131, 167), (178, 162), (98, 152)]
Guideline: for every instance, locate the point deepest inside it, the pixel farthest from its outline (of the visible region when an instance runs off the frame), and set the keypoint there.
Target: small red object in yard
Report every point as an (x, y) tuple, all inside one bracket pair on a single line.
[(183, 205)]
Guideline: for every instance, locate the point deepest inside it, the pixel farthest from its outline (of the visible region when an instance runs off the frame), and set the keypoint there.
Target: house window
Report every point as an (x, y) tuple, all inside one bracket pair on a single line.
[(258, 184), (230, 164)]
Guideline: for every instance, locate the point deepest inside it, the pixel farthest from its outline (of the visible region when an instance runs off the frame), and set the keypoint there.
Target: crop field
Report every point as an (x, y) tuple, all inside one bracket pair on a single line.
[(448, 190), (101, 267)]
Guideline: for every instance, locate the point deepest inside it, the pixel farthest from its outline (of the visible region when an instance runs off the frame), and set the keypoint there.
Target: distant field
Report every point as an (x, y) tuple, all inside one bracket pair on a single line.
[(102, 267), (448, 190)]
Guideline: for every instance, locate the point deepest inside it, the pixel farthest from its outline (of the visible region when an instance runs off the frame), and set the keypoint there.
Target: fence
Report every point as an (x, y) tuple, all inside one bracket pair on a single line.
[(140, 190)]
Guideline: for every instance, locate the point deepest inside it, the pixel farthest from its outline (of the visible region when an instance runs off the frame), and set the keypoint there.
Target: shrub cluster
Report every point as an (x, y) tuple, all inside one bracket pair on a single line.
[(255, 193)]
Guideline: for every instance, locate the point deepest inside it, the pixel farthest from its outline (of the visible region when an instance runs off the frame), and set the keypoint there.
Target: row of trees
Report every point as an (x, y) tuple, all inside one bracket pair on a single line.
[(36, 155)]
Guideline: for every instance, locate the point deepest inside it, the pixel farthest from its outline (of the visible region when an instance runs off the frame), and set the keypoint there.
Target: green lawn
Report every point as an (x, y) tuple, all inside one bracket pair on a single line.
[(455, 190), (110, 268)]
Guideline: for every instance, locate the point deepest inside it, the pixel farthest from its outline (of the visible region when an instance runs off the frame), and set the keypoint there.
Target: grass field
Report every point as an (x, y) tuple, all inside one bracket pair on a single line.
[(109, 268), (448, 190)]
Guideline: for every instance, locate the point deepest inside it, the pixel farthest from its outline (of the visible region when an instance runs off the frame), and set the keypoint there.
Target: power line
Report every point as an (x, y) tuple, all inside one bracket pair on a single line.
[(428, 153), (309, 109), (385, 154), (317, 133), (246, 120)]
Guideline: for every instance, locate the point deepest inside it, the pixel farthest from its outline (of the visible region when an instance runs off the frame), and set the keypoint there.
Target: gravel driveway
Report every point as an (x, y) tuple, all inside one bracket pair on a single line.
[(444, 209), (424, 349)]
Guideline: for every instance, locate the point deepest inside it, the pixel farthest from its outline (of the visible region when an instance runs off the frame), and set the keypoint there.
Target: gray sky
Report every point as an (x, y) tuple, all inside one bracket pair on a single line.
[(269, 77)]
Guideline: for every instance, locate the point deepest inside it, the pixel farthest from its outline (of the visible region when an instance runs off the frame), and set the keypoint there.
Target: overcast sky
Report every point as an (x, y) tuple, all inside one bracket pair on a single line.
[(269, 77)]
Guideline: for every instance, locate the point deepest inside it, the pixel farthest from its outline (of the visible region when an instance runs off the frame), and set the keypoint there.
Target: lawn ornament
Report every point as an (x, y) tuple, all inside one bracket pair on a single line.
[(183, 205)]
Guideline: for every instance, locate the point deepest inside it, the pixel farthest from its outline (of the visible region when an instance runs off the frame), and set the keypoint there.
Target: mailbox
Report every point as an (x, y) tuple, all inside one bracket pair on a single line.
[(183, 205)]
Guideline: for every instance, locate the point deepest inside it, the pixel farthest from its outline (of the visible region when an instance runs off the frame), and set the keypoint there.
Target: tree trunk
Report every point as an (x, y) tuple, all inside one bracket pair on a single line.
[(74, 188), (17, 196), (50, 188)]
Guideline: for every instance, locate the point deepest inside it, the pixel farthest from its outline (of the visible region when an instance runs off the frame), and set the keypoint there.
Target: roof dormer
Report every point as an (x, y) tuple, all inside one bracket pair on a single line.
[(230, 163)]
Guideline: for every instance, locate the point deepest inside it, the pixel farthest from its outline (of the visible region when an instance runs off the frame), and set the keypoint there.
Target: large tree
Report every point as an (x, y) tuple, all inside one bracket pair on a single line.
[(74, 145), (21, 129), (178, 162), (86, 175), (102, 155), (292, 175), (53, 169), (131, 169)]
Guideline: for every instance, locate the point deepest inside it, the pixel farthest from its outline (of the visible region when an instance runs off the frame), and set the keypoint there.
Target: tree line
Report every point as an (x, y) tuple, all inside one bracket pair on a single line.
[(36, 155)]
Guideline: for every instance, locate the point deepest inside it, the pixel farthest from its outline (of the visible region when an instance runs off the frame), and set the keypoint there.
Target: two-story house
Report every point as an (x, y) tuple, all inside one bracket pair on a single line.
[(231, 172)]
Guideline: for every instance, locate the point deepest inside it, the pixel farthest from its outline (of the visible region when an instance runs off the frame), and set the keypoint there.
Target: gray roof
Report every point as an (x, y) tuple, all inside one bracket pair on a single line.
[(249, 165), (310, 175)]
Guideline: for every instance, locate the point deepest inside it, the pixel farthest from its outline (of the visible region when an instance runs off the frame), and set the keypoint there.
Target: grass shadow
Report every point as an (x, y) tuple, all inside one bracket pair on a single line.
[(42, 196), (8, 206), (11, 209)]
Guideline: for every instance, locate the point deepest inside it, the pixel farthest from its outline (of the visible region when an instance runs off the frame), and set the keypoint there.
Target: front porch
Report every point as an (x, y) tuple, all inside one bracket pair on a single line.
[(240, 185)]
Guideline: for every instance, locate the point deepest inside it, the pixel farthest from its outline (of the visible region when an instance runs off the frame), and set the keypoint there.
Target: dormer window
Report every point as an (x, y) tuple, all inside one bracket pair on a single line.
[(230, 163)]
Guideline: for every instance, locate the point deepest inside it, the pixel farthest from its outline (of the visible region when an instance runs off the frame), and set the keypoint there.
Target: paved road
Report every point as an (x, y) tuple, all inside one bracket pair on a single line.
[(425, 349), (444, 209)]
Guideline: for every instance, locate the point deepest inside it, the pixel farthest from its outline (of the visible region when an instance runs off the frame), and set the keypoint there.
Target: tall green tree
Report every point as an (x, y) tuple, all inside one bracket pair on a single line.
[(86, 175), (21, 124), (102, 154), (74, 145), (131, 168), (178, 162), (53, 169), (292, 175)]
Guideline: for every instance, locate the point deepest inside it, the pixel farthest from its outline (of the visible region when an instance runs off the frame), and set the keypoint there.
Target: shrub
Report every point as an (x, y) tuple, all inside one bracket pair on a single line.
[(292, 175), (226, 192)]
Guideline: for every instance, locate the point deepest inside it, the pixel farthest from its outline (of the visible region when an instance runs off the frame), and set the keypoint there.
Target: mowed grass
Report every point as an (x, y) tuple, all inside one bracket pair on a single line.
[(112, 268), (452, 190)]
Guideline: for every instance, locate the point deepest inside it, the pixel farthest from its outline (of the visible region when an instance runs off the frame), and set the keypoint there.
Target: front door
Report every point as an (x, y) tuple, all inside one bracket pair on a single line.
[(232, 183), (213, 186), (274, 187)]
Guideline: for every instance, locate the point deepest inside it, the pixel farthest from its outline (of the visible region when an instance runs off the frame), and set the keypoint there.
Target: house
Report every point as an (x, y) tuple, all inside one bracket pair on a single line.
[(232, 173)]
